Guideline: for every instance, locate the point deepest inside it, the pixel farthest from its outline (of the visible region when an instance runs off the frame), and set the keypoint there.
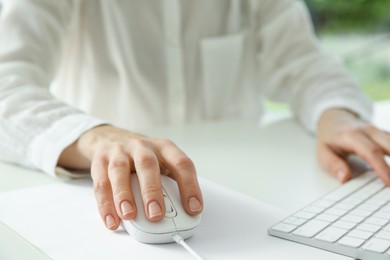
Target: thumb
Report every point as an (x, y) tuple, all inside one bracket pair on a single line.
[(333, 163)]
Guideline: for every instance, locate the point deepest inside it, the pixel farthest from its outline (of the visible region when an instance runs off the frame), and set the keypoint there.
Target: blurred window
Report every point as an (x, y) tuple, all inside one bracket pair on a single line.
[(358, 31)]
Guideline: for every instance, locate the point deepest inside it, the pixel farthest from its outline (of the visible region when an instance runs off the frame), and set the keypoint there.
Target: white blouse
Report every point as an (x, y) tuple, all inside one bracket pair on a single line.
[(67, 66)]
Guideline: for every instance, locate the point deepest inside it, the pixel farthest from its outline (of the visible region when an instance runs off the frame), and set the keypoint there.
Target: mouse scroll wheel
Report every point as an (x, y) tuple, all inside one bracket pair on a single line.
[(169, 210)]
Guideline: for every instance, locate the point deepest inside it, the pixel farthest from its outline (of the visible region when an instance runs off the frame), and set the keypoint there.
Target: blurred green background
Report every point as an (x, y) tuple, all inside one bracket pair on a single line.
[(359, 32)]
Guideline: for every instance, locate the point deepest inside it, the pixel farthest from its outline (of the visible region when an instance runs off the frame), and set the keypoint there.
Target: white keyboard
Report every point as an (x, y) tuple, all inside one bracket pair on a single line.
[(353, 220)]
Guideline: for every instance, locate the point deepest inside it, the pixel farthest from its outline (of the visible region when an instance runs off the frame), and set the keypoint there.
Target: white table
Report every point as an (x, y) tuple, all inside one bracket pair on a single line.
[(275, 163)]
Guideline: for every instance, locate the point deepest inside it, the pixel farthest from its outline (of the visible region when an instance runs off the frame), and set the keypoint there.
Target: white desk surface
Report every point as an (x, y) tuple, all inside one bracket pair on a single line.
[(275, 163)]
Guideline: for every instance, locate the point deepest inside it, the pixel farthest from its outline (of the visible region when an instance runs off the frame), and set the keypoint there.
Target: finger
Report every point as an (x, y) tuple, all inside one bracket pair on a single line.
[(380, 137), (119, 175), (103, 192), (333, 163), (183, 171), (371, 152), (148, 171)]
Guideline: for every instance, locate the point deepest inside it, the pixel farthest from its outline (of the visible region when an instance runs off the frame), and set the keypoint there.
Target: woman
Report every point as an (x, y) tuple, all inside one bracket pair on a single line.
[(79, 79)]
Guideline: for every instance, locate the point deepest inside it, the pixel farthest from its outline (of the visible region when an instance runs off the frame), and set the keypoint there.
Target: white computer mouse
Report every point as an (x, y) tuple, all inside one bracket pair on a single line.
[(176, 220)]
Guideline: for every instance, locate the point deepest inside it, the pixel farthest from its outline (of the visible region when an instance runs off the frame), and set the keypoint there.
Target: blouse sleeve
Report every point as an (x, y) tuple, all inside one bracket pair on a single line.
[(294, 69), (35, 127)]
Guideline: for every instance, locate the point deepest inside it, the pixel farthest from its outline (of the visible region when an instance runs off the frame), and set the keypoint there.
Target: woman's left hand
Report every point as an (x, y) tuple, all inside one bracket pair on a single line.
[(341, 133)]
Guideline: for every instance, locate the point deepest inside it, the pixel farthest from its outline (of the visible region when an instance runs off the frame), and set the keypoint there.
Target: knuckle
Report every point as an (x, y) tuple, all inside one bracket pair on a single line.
[(118, 164), (121, 193), (166, 142), (375, 150), (138, 143), (146, 160), (116, 148), (368, 128), (151, 190), (350, 134), (343, 134), (105, 205), (354, 131), (101, 186), (184, 162), (190, 186), (189, 179), (100, 156)]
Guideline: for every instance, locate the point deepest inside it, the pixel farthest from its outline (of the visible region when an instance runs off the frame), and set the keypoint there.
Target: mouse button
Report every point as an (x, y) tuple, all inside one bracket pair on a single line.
[(186, 222), (168, 206), (136, 190), (170, 210), (166, 225), (170, 190)]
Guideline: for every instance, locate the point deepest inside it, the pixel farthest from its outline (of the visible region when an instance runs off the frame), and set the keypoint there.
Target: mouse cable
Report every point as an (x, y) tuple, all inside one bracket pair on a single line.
[(178, 239)]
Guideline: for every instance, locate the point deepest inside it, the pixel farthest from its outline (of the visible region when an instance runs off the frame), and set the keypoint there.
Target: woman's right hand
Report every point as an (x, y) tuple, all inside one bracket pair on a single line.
[(113, 154)]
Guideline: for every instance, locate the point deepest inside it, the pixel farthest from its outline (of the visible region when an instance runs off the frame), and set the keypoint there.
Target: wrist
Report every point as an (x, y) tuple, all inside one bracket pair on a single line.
[(78, 155), (337, 119), (338, 115), (89, 140)]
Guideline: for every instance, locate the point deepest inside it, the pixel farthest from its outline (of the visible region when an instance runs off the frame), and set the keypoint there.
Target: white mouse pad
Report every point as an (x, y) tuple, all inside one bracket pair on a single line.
[(63, 222)]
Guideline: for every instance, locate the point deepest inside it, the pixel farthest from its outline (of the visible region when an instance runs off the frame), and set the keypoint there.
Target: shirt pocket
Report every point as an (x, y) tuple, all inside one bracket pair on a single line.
[(221, 59)]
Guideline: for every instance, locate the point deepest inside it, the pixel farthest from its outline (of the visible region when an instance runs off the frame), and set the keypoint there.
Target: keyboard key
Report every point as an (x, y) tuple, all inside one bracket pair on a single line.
[(299, 221), (378, 202), (368, 207), (314, 209), (352, 201), (352, 218), (322, 203), (343, 205), (360, 234), (331, 234), (387, 228), (285, 228), (368, 227), (383, 194), (381, 214), (361, 212), (344, 224), (383, 234), (311, 228), (294, 221), (357, 215), (336, 212), (327, 217), (376, 221), (290, 220), (378, 182), (304, 215), (370, 189), (350, 187), (360, 196), (377, 245), (351, 241), (386, 209)]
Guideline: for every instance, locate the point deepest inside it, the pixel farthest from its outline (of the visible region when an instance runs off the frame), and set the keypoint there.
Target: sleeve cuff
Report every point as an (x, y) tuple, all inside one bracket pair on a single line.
[(64, 173), (46, 148), (361, 106)]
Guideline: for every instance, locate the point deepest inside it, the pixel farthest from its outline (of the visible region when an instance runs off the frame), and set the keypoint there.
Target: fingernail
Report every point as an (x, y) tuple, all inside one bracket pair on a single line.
[(340, 175), (154, 209), (194, 204), (110, 222), (126, 208)]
